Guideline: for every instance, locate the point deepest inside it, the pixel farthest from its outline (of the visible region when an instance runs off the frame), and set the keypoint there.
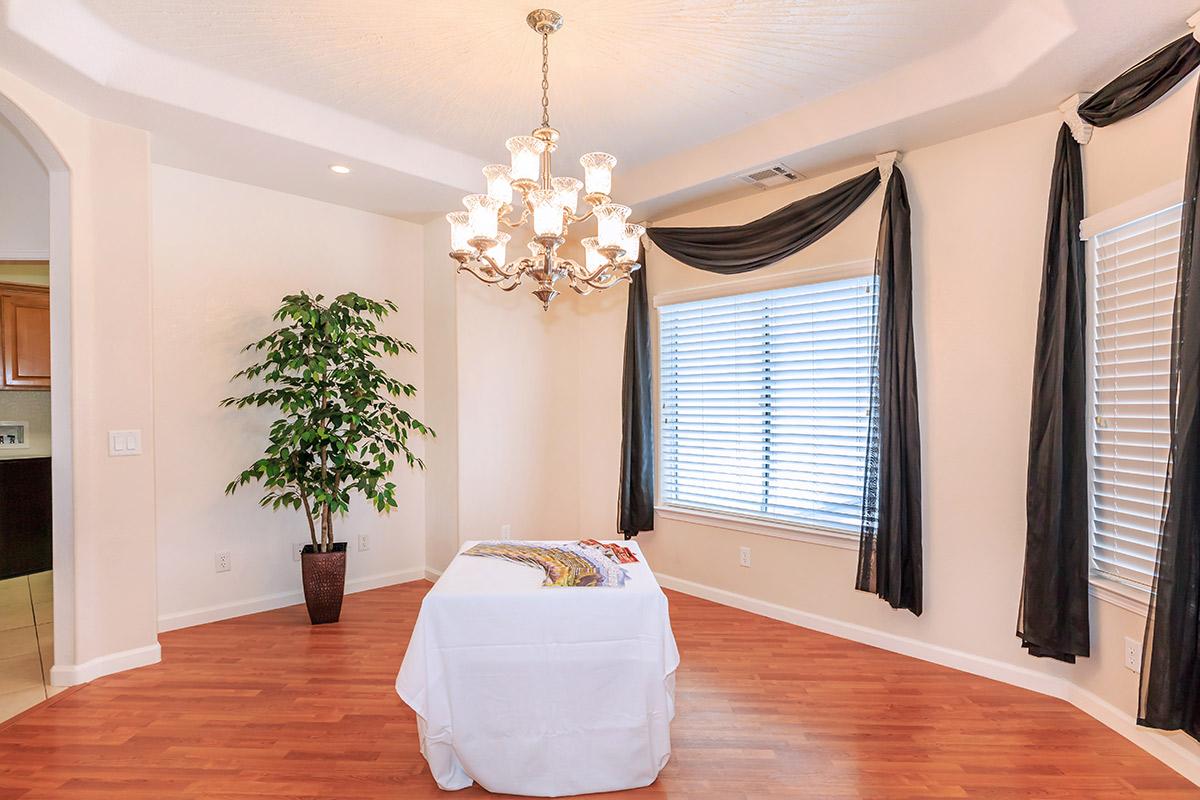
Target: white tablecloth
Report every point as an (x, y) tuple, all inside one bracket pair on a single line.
[(536, 690)]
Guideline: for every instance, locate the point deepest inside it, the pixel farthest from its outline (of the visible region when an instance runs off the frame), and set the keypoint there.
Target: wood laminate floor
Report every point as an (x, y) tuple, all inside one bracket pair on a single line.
[(266, 706)]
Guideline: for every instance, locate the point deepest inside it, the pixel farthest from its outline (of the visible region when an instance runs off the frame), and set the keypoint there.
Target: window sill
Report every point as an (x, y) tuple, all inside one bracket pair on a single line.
[(1123, 595), (761, 527)]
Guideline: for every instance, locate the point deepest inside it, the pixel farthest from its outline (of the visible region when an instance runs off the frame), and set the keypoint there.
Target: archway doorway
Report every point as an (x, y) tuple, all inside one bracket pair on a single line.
[(57, 258)]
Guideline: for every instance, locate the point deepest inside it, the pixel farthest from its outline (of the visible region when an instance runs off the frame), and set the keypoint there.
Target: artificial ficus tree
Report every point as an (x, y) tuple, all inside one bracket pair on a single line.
[(340, 430)]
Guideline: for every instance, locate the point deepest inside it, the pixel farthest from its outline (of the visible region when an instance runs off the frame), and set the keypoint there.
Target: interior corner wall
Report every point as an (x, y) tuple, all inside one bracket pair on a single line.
[(225, 253), (441, 398), (600, 350), (518, 413), (101, 260)]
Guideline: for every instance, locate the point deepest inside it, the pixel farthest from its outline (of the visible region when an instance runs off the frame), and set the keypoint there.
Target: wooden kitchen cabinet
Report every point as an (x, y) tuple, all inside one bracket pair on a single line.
[(25, 336)]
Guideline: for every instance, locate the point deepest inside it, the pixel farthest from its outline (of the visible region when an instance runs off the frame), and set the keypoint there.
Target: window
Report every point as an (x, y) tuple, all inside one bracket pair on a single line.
[(766, 402), (1135, 266)]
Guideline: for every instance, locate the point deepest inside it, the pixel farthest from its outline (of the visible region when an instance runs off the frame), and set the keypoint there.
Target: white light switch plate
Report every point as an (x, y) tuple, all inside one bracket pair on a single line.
[(124, 443)]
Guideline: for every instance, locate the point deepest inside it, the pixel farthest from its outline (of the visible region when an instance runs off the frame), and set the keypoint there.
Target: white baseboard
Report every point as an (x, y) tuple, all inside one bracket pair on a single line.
[(270, 602), (72, 674), (1165, 747), (13, 254), (432, 574)]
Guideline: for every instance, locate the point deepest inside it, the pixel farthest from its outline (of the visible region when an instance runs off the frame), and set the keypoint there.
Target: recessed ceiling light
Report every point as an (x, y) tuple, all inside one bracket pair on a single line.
[(340, 169)]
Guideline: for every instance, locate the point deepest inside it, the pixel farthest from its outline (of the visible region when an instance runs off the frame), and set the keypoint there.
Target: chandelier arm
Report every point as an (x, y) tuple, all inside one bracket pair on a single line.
[(591, 278), (508, 270), (508, 223), (615, 280), (607, 281), (572, 219), (481, 275)]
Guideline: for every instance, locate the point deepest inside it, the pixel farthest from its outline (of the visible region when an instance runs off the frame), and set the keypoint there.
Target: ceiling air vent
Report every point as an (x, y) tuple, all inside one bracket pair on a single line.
[(771, 176)]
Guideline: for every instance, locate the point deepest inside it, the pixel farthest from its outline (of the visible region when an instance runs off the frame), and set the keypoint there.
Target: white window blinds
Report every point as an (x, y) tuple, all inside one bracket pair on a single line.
[(766, 402), (1134, 298)]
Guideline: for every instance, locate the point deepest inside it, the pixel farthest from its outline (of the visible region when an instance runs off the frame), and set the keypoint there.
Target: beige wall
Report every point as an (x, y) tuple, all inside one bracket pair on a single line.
[(224, 255), (100, 276), (517, 417), (441, 397)]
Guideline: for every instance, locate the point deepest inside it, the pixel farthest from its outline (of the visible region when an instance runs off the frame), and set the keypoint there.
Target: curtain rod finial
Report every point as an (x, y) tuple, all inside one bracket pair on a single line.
[(1080, 130), (886, 162), (1193, 22)]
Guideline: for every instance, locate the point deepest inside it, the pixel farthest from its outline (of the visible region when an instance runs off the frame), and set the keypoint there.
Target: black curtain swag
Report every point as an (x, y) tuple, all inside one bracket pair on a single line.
[(890, 544), (733, 249), (1055, 576)]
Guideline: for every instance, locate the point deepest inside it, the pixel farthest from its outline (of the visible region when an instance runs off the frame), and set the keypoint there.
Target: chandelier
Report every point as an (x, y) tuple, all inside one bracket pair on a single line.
[(550, 205)]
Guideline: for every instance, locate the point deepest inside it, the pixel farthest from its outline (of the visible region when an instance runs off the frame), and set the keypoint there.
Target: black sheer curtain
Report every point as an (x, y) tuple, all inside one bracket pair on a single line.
[(1170, 694), (889, 553), (635, 495), (1053, 616), (733, 249)]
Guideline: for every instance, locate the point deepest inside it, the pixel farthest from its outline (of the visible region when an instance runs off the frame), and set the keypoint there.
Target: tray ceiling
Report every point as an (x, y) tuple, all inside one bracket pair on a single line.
[(417, 97), (638, 78)]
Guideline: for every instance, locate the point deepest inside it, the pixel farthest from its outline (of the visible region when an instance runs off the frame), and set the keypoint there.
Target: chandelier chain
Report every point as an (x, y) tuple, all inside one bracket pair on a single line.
[(546, 80)]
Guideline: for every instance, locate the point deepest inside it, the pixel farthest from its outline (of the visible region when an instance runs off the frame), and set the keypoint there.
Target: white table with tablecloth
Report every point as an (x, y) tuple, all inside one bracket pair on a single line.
[(541, 690)]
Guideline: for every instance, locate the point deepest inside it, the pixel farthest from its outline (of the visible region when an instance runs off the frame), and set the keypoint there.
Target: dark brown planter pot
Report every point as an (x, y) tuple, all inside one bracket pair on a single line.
[(324, 582)]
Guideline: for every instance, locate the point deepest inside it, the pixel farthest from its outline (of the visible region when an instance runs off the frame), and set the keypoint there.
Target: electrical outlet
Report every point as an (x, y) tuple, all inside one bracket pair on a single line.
[(744, 556), (224, 561), (297, 548), (506, 531), (1133, 654), (364, 542)]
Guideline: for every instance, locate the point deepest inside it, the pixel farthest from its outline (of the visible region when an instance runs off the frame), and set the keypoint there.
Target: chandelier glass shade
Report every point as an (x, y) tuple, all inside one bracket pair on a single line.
[(525, 194)]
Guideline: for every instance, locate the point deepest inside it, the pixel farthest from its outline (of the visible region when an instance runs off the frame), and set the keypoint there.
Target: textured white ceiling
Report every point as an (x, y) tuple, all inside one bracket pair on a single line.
[(688, 94), (639, 79)]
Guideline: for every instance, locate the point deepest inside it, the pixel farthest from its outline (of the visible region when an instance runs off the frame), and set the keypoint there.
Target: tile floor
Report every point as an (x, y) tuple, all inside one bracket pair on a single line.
[(26, 642)]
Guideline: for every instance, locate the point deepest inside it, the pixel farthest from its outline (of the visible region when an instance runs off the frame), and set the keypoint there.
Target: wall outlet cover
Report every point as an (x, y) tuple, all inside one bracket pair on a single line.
[(364, 542), (744, 556), (506, 531), (224, 561), (1133, 654)]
